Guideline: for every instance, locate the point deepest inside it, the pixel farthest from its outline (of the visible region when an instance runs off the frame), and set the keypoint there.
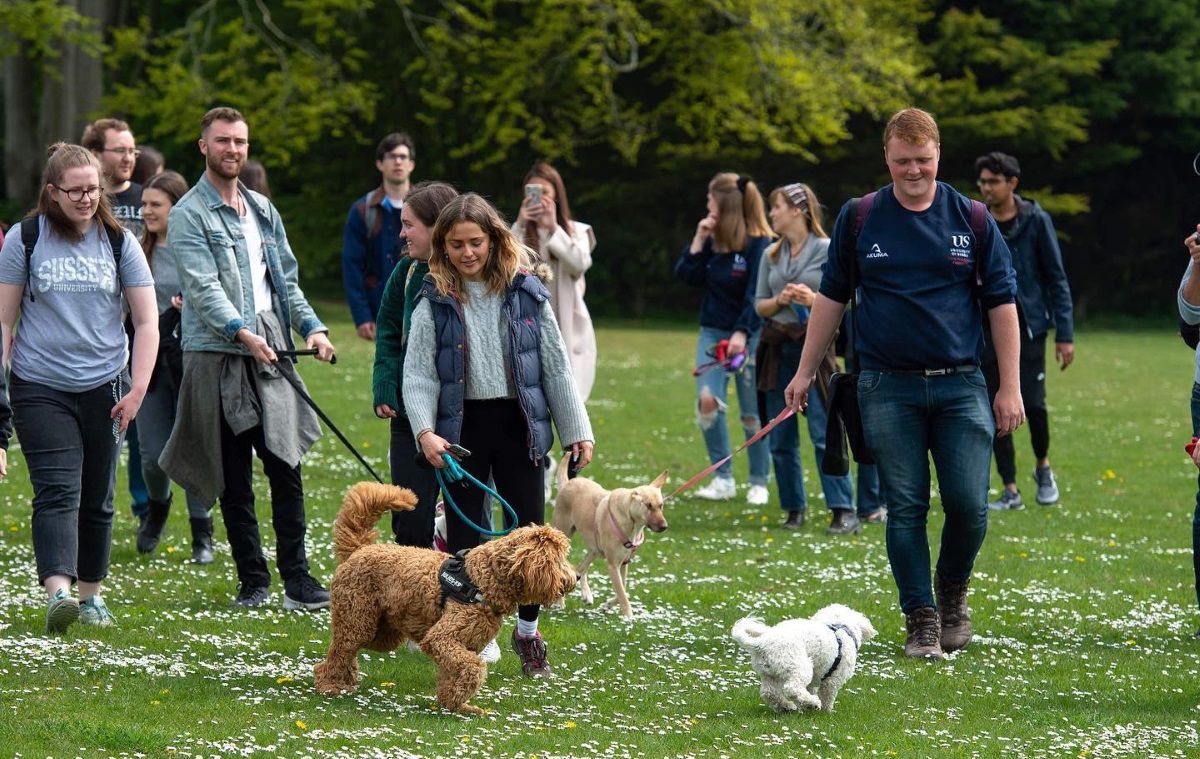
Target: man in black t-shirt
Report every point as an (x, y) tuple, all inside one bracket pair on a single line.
[(113, 144)]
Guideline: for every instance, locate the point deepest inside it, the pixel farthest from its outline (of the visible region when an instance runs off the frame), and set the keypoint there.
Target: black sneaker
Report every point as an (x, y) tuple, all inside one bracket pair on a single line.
[(795, 520), (532, 653), (304, 593), (251, 597), (843, 522)]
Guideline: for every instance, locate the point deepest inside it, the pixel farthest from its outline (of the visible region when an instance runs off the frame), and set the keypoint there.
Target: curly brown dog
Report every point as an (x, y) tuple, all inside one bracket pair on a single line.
[(384, 594)]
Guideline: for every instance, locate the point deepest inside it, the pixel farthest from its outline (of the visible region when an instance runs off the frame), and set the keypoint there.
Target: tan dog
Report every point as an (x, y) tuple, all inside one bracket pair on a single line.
[(384, 594), (612, 524)]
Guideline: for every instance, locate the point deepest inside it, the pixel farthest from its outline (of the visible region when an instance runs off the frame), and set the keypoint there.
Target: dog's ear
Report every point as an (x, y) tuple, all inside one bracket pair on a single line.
[(660, 480), (537, 563)]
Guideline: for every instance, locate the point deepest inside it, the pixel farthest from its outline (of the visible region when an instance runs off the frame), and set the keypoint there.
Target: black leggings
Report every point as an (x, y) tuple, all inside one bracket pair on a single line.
[(495, 433), (1033, 395)]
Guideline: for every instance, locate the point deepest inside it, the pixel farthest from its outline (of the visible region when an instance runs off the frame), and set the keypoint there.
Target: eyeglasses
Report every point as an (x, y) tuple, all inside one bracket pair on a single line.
[(990, 182), (77, 193), (122, 151), (397, 157)]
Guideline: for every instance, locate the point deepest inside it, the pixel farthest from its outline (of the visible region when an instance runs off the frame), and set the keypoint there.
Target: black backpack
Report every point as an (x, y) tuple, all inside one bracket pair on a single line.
[(1190, 334), (30, 229)]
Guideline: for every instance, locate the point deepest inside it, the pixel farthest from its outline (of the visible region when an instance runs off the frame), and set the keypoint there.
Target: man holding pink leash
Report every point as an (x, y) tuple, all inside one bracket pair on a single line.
[(927, 262)]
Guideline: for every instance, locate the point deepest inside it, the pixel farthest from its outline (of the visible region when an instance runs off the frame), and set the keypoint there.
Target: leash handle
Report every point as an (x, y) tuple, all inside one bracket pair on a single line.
[(305, 352), (453, 472)]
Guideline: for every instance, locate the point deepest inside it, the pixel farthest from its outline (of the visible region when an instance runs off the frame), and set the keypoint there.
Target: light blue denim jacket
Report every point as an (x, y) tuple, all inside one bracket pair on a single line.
[(214, 267)]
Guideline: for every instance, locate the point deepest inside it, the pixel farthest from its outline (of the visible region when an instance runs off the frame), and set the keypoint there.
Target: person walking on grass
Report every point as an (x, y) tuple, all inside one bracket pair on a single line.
[(241, 300), (924, 282), (788, 277), (1188, 301), (486, 369), (723, 258), (72, 398), (1043, 301), (157, 418), (371, 242)]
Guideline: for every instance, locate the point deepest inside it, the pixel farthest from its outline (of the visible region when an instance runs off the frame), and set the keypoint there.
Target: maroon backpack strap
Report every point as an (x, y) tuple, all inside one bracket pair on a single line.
[(978, 231), (865, 203)]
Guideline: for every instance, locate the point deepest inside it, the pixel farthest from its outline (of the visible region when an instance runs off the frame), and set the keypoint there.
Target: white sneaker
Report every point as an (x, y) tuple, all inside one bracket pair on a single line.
[(490, 653), (720, 489), (413, 647), (758, 495)]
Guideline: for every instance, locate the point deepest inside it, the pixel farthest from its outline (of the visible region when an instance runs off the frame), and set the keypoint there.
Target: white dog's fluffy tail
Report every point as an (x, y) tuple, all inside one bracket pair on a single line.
[(748, 631)]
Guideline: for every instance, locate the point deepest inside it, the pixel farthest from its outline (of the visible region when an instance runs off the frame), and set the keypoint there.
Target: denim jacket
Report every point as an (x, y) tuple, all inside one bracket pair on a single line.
[(214, 266)]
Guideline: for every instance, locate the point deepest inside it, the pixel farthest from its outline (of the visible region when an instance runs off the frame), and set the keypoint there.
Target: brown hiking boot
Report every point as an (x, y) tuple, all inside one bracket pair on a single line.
[(532, 653), (956, 617), (924, 630)]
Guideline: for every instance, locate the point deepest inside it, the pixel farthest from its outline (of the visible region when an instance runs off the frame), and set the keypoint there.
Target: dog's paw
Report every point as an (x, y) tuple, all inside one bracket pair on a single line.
[(471, 710), (586, 595)]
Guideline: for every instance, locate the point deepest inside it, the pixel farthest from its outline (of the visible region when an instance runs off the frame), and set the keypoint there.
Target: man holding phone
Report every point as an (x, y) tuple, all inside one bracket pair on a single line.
[(1043, 301)]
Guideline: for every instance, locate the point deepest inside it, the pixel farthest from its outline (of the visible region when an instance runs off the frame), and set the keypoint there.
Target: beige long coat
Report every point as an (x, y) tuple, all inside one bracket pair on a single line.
[(569, 256)]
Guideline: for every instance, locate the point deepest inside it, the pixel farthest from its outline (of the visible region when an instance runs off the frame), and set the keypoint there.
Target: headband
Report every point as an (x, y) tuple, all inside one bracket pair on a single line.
[(741, 183), (797, 195)]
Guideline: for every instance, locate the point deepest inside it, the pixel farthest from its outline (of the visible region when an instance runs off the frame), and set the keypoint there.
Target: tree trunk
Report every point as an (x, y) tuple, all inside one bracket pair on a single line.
[(71, 92), (21, 154)]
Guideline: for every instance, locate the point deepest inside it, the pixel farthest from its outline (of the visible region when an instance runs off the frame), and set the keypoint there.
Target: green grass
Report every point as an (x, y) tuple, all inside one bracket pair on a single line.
[(1084, 612)]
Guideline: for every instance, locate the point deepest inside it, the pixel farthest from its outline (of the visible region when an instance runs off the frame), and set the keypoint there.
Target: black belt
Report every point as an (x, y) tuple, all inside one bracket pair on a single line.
[(965, 369)]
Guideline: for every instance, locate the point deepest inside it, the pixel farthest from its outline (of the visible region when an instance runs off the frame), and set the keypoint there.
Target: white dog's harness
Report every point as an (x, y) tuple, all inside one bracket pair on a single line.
[(838, 659)]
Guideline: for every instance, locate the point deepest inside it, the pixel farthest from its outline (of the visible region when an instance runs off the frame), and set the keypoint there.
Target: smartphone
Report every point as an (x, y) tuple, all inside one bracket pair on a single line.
[(458, 451), (533, 194)]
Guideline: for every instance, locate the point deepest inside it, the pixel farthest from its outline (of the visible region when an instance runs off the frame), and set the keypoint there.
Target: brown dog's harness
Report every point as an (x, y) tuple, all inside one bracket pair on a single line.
[(457, 585), (838, 659)]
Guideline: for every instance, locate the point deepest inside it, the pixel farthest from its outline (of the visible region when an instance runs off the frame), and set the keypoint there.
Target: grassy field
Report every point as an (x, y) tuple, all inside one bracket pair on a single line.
[(1084, 612)]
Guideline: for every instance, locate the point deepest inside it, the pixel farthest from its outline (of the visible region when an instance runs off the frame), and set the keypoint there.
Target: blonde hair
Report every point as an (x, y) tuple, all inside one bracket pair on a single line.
[(62, 157), (798, 195), (740, 211), (912, 125), (506, 254)]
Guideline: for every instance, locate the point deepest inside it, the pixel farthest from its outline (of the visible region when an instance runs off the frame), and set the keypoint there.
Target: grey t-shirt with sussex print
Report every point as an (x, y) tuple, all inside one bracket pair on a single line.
[(70, 338)]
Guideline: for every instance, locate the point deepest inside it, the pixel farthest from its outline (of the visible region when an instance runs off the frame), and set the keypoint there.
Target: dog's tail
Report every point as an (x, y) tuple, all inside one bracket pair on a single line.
[(748, 630), (361, 508), (562, 476)]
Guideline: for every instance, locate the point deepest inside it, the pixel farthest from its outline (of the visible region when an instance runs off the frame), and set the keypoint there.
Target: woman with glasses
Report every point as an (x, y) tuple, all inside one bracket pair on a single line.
[(71, 396), (788, 279), (723, 258), (157, 416)]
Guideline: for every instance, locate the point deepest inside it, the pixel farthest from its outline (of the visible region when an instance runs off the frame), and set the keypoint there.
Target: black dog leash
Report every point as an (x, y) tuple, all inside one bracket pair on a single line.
[(295, 383)]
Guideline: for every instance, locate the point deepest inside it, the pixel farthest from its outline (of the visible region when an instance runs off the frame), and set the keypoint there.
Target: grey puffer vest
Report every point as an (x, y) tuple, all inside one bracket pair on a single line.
[(522, 310)]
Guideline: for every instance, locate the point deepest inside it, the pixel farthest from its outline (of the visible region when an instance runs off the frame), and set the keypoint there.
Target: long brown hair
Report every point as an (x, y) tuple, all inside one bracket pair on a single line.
[(427, 199), (798, 195), (505, 252), (61, 157), (562, 209), (174, 186), (740, 211)]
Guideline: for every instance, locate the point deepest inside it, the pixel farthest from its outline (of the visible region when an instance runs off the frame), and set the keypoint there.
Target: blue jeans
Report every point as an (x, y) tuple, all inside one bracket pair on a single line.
[(907, 417), (71, 450), (785, 444), (1196, 513), (715, 427)]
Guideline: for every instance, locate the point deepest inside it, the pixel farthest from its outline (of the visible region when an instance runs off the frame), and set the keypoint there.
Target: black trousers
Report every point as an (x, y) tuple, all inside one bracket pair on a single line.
[(495, 433), (1033, 394), (237, 509), (412, 528)]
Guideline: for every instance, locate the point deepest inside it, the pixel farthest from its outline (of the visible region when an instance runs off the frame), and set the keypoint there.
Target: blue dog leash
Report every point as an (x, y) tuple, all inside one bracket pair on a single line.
[(452, 473)]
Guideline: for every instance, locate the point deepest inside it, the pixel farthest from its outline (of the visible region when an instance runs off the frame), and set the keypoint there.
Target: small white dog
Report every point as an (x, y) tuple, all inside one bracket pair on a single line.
[(803, 663)]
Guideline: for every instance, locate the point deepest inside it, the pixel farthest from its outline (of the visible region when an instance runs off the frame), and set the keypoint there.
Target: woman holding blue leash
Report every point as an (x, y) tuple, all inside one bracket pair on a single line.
[(485, 372)]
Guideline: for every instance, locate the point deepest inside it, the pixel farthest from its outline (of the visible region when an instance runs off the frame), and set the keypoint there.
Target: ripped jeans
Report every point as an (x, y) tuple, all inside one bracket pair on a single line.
[(714, 425)]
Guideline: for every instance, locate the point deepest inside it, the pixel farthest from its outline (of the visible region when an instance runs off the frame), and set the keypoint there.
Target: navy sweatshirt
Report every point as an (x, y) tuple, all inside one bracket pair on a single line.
[(918, 305), (729, 280)]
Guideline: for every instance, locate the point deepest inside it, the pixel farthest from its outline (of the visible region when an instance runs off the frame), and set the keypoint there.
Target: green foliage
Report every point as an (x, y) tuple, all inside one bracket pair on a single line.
[(296, 77), (43, 27)]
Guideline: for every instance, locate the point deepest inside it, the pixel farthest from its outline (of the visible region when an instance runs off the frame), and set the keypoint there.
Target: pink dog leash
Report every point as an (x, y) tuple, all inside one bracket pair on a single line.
[(787, 413)]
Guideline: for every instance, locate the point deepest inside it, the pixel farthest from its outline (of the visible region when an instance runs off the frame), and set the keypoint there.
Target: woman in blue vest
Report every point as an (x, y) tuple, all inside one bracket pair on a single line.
[(723, 258), (486, 369)]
